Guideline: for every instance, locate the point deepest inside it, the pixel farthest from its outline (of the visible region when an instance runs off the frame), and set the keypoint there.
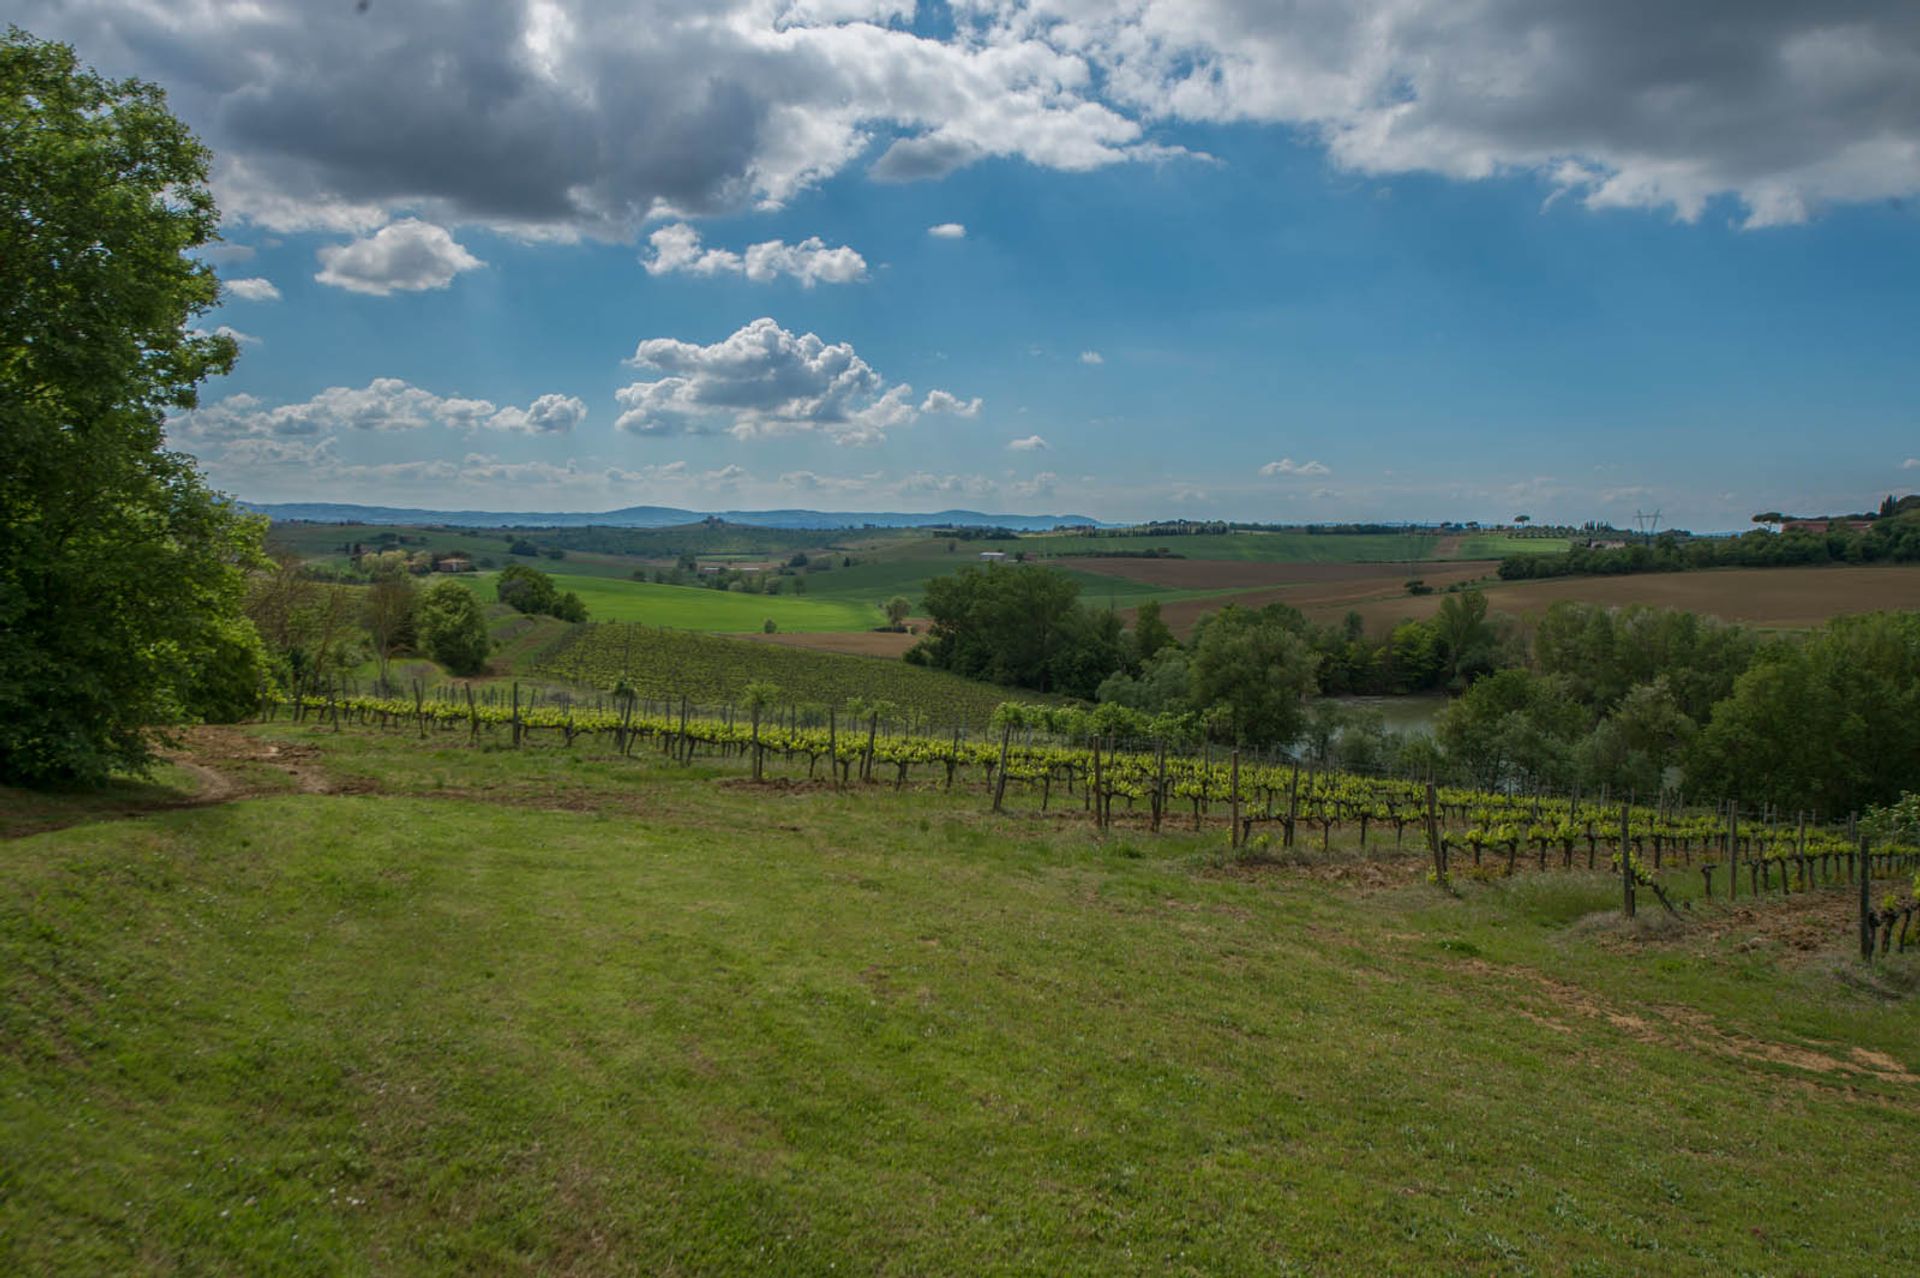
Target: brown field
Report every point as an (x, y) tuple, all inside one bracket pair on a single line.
[(1331, 591), (1224, 574), (861, 643), (1773, 598)]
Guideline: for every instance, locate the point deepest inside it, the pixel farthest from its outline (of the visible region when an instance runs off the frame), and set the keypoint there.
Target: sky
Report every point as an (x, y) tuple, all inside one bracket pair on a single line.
[(1334, 260)]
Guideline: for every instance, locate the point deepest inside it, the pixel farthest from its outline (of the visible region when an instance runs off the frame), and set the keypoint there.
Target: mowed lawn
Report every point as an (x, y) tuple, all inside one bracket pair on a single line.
[(550, 1011), (703, 608)]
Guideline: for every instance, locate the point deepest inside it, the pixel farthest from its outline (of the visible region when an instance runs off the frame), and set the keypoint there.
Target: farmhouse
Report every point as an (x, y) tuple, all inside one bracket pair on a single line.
[(992, 556), (453, 563)]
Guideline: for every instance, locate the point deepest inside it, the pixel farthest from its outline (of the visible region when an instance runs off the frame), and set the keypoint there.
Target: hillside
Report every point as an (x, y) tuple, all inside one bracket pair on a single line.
[(399, 1006)]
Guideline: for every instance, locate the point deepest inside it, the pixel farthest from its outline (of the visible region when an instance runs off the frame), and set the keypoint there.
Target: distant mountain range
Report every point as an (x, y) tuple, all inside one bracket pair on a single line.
[(326, 512)]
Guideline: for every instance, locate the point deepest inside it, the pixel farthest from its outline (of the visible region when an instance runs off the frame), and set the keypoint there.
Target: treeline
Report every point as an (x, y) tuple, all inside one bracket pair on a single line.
[(1887, 541), (1246, 671), (1637, 700)]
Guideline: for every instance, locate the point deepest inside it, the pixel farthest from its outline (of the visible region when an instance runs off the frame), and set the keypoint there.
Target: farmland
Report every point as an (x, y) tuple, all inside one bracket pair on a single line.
[(1775, 598), (700, 608), (487, 1009)]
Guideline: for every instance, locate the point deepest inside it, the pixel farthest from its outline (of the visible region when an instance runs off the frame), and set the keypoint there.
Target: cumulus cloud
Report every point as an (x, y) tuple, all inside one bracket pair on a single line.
[(1288, 466), (384, 404), (1623, 105), (764, 380), (409, 255), (252, 290), (583, 117), (1031, 444), (677, 248), (948, 231), (940, 401), (588, 116), (1911, 463), (1092, 357)]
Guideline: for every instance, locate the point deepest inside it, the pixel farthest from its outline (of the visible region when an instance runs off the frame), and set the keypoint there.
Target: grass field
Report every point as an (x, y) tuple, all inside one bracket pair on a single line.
[(1772, 598), (702, 608), (417, 1009)]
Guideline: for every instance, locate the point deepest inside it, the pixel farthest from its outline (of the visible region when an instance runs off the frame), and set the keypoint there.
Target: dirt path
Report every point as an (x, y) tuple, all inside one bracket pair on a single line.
[(227, 765)]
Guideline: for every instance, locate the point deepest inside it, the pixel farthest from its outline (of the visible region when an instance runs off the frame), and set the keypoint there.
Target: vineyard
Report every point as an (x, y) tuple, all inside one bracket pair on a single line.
[(1042, 756), (666, 665)]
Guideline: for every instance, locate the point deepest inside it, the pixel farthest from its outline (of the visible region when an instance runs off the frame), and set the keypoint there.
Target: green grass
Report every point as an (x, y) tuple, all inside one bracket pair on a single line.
[(715, 671), (703, 608), (1501, 545), (550, 1011)]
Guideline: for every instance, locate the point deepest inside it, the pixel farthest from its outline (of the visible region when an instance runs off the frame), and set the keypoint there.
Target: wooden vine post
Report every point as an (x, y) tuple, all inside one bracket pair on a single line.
[(1626, 864), (1866, 901), (1000, 777), (1434, 843), (1733, 850), (1234, 840)]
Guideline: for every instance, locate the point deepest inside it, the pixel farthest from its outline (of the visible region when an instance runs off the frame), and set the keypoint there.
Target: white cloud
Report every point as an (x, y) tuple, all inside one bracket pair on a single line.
[(1911, 463), (940, 401), (1031, 444), (408, 255), (948, 231), (384, 404), (1041, 485), (676, 248), (763, 380), (567, 117), (1288, 466), (1092, 357), (547, 415), (252, 290)]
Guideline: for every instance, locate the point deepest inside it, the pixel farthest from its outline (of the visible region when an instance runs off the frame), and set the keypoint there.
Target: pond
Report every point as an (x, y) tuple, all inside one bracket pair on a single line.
[(1405, 716)]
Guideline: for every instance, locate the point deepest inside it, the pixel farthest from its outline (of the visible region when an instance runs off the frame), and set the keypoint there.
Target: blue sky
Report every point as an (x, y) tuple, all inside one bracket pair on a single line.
[(1176, 294)]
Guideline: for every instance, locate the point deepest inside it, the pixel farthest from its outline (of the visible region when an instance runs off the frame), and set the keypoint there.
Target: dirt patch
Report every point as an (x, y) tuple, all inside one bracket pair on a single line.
[(1383, 585), (1685, 1029), (1236, 574)]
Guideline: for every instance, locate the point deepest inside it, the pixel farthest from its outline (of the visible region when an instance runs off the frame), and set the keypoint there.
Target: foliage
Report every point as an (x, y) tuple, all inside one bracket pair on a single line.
[(1889, 540), (1021, 625), (1255, 670), (454, 628), (121, 574), (529, 590)]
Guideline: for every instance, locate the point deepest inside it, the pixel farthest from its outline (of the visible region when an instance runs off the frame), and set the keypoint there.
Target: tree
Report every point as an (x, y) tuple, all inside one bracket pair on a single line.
[(1256, 670), (1461, 625), (121, 573), (388, 615), (454, 628), (897, 609), (1150, 633)]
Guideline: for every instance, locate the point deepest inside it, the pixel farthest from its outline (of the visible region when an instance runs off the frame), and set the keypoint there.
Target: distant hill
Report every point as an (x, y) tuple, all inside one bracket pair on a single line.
[(654, 517)]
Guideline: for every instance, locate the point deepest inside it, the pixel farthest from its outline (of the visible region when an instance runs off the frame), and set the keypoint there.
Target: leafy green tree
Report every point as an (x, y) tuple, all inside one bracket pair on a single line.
[(121, 574), (1255, 670), (1150, 633), (897, 609), (388, 614), (1465, 637), (454, 628)]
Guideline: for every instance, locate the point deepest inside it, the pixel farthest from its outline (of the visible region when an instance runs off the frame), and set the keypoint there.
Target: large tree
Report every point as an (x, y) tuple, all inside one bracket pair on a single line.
[(121, 574)]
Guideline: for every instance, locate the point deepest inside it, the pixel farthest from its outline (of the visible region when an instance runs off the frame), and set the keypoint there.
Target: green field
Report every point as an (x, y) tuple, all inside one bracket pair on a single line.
[(549, 1011), (1502, 545), (715, 671), (702, 608), (1263, 547)]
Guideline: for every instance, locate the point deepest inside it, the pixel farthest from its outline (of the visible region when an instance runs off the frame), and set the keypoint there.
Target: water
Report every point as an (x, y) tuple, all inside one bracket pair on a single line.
[(1405, 716)]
